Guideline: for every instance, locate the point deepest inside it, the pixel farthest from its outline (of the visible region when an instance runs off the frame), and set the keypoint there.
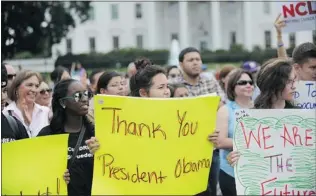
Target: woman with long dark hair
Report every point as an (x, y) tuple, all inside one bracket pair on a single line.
[(70, 107), (276, 81)]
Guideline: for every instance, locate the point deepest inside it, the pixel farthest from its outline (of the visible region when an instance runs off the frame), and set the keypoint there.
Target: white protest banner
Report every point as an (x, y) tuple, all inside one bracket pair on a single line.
[(277, 150), (298, 16), (305, 94)]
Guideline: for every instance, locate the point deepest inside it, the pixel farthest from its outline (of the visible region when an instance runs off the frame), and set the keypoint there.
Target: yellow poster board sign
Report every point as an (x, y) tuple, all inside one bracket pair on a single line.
[(153, 146), (35, 166)]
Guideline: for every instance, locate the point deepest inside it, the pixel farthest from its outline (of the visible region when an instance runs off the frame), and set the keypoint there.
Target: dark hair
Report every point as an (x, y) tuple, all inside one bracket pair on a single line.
[(143, 79), (234, 77), (55, 76), (21, 76), (169, 68), (185, 51), (95, 72), (4, 74), (142, 62), (303, 52), (174, 87), (59, 119), (271, 80), (223, 73), (105, 79)]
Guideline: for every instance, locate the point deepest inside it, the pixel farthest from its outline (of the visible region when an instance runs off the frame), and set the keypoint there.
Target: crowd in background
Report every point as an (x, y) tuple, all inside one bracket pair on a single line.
[(32, 108)]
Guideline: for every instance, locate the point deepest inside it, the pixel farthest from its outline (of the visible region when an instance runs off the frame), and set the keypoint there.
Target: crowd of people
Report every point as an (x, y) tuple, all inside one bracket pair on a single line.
[(31, 108)]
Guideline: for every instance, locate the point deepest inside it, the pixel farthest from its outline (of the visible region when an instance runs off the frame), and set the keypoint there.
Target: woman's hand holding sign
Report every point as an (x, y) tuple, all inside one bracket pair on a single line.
[(93, 144), (67, 176), (214, 138)]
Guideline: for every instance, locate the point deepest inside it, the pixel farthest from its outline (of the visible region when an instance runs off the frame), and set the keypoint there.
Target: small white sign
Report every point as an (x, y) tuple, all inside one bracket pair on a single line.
[(298, 16), (305, 94)]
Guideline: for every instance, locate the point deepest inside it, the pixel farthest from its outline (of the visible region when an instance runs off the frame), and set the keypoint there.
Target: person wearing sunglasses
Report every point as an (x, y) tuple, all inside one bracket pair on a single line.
[(44, 95), (239, 88), (70, 105), (276, 80), (11, 73), (11, 128)]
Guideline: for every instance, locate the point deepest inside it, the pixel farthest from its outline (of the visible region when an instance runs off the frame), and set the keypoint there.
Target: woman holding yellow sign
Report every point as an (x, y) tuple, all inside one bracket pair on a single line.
[(70, 107)]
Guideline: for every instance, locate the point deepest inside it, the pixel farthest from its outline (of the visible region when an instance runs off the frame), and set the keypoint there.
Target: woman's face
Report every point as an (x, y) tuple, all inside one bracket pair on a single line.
[(159, 88), (116, 86), (77, 99), (28, 90), (244, 86), (44, 95), (288, 92), (174, 73), (181, 92)]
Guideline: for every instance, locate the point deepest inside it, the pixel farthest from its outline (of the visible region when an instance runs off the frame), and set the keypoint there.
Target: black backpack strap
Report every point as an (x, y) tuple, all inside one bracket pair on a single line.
[(12, 122), (79, 141)]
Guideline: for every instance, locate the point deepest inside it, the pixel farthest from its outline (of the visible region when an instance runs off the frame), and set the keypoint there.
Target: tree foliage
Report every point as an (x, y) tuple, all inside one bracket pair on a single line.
[(35, 26)]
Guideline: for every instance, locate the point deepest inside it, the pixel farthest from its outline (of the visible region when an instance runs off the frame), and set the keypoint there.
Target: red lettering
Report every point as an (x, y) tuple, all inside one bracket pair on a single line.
[(262, 186), (287, 11), (310, 9), (251, 134), (264, 138), (297, 8), (286, 192), (295, 134), (312, 193), (307, 137), (286, 137), (291, 11)]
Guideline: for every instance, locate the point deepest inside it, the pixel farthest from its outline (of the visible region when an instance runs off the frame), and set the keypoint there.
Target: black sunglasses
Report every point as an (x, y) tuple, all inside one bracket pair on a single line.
[(45, 90), (244, 82), (11, 76), (79, 96)]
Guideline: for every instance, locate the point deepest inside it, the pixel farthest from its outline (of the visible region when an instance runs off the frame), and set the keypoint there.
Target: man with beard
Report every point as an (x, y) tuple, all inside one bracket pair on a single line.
[(191, 65)]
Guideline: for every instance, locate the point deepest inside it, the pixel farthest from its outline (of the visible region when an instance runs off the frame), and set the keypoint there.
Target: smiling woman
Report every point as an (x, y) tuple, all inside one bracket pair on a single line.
[(23, 92), (70, 107)]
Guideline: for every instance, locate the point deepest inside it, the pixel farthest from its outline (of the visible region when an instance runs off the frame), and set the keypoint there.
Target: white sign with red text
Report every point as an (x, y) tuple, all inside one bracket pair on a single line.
[(298, 16), (277, 152)]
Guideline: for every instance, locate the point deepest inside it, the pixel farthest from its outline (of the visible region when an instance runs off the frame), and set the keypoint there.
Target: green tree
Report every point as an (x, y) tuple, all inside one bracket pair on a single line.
[(34, 26)]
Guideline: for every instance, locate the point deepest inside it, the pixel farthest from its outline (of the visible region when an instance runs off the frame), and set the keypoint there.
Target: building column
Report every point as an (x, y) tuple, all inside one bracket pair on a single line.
[(152, 24), (216, 25), (183, 19), (247, 26)]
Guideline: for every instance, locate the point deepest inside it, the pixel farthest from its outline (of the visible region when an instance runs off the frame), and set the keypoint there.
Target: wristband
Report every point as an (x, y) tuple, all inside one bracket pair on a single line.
[(280, 45)]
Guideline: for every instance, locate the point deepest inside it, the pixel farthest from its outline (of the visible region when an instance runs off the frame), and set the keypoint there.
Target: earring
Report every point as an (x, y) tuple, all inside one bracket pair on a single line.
[(63, 106)]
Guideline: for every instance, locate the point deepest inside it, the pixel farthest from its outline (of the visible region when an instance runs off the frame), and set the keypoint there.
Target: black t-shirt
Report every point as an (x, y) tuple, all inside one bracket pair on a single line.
[(81, 172), (8, 134)]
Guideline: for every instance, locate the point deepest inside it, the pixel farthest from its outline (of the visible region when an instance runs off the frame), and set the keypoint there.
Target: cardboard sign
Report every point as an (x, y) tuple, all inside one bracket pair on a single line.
[(277, 150), (298, 16), (35, 166), (305, 94), (153, 146)]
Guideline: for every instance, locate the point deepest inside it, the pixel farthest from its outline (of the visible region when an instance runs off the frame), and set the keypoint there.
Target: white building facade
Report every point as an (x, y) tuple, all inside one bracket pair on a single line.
[(152, 25)]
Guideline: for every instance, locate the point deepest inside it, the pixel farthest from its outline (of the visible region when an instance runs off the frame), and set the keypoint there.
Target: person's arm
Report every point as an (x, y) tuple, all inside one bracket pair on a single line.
[(279, 24), (222, 126)]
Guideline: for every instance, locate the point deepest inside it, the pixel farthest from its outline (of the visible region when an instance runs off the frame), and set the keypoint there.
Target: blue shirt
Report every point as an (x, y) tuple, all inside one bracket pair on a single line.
[(224, 165)]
